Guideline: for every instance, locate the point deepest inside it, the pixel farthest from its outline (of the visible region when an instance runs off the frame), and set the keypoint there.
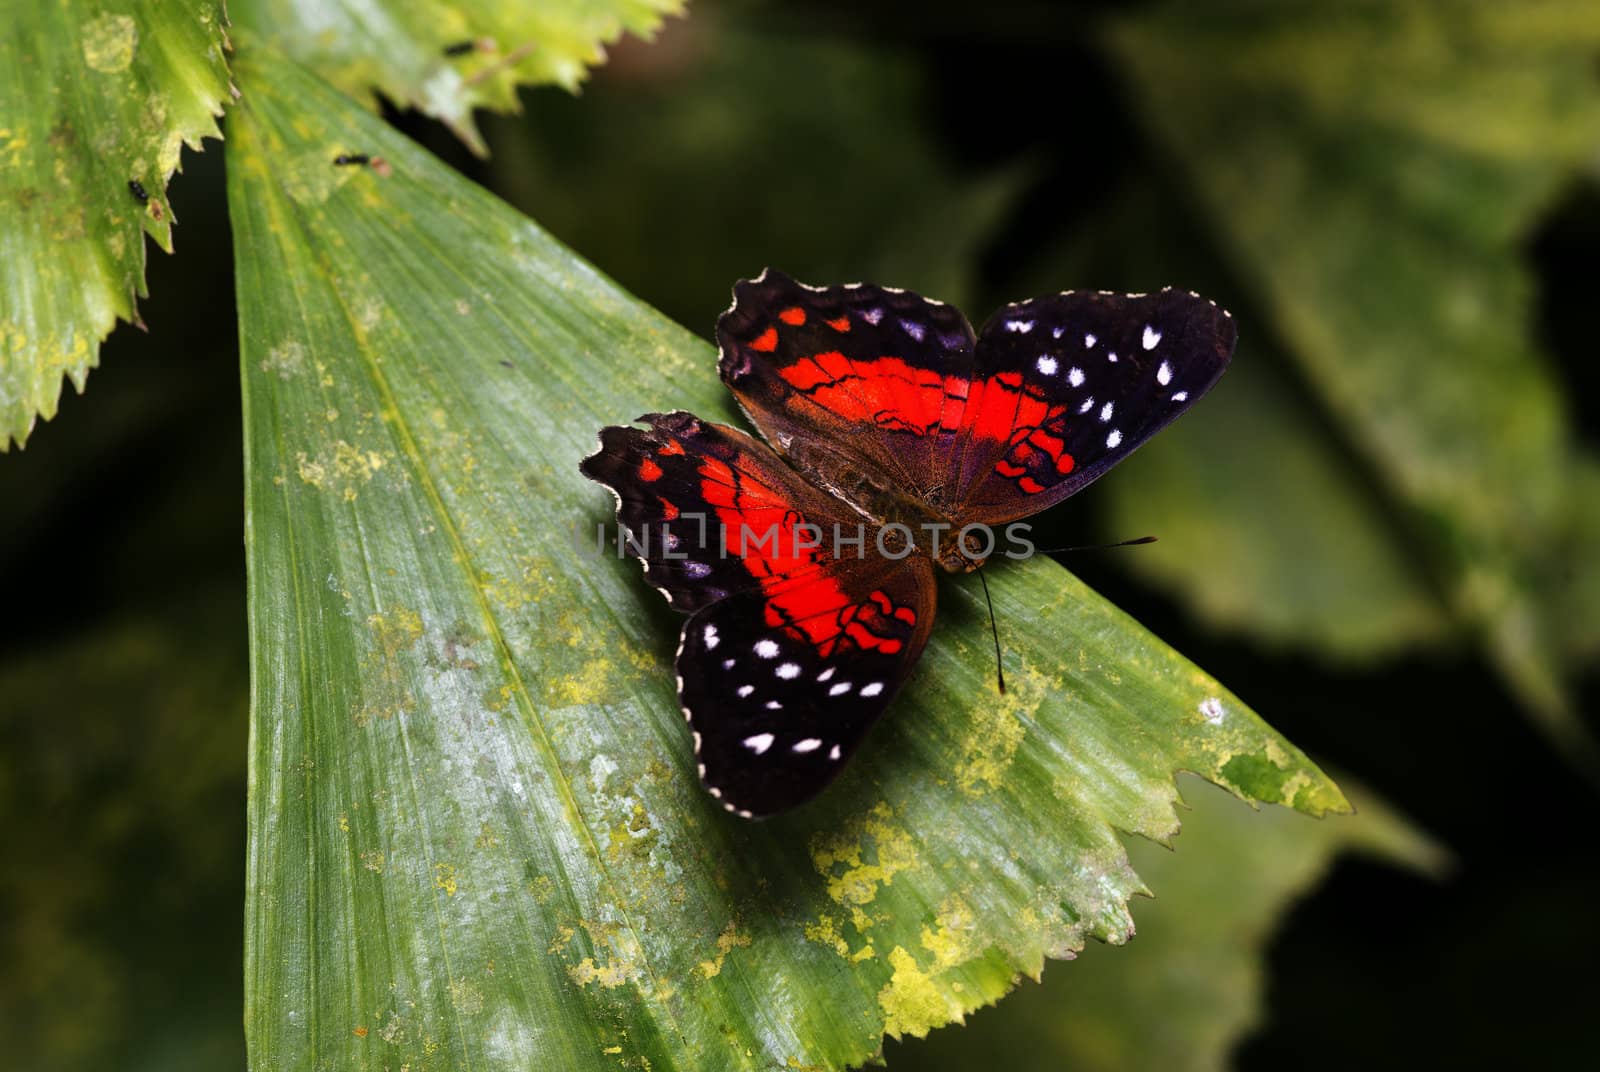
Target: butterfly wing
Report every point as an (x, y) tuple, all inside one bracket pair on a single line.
[(854, 383), (796, 643), (1067, 386), (779, 697)]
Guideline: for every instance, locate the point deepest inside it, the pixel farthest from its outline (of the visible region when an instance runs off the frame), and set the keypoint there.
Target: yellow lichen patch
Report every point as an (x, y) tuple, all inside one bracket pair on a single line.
[(635, 836), (534, 581), (729, 940), (954, 937), (486, 838), (372, 861), (610, 975), (393, 632), (994, 731), (828, 931), (542, 888), (109, 43), (467, 998), (866, 854), (624, 964), (564, 934), (594, 683), (343, 467), (912, 1003), (444, 878)]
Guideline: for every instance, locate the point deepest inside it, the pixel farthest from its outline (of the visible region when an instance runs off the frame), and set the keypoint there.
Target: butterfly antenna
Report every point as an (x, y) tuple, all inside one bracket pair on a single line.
[(1098, 546), (994, 630)]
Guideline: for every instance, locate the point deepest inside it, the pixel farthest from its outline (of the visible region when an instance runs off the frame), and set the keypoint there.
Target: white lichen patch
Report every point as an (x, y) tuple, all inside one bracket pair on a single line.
[(285, 360), (109, 43)]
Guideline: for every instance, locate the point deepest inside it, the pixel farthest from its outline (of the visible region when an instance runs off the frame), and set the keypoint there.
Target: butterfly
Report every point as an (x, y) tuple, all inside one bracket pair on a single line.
[(895, 437)]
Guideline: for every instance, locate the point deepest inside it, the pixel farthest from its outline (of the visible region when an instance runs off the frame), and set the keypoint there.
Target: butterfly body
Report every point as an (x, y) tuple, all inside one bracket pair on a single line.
[(897, 440)]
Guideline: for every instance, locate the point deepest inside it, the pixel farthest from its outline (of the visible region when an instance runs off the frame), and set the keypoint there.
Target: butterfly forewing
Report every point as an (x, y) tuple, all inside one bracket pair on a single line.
[(849, 382), (1069, 385)]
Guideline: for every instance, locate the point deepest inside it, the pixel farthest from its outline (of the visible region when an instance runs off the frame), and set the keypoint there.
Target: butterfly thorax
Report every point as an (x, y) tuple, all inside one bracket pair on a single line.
[(901, 520)]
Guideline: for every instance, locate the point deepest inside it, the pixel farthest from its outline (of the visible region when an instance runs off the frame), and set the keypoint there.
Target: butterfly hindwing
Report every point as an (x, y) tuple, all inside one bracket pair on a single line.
[(796, 643), (1069, 385), (779, 700), (849, 381)]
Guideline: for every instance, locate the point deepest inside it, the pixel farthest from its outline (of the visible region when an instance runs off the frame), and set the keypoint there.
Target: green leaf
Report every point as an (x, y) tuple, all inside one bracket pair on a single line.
[(399, 47), (1189, 986), (92, 96), (1372, 169), (476, 833)]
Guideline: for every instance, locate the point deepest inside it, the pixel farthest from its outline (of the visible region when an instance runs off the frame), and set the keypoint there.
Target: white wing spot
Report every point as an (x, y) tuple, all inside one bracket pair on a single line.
[(1151, 337), (872, 689), (840, 689), (1075, 376), (788, 671), (1164, 374), (810, 744), (872, 316), (727, 664), (1088, 404), (759, 743), (1111, 357), (767, 649), (833, 753), (1181, 396), (1021, 327), (1056, 332), (826, 674), (712, 640), (1211, 710), (774, 705), (745, 690), (1089, 341), (697, 570), (1105, 411), (912, 328), (1114, 439), (1047, 365)]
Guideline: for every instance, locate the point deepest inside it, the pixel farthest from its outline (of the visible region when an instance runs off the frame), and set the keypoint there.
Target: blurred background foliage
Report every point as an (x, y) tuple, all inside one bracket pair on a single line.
[(1382, 530)]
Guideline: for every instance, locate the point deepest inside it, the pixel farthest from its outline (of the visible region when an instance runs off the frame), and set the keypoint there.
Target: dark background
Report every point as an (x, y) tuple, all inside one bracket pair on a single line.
[(125, 674)]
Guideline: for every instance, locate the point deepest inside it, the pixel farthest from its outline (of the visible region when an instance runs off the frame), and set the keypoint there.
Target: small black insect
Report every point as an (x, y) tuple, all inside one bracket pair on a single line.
[(138, 190), (348, 159), (508, 364), (460, 48)]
